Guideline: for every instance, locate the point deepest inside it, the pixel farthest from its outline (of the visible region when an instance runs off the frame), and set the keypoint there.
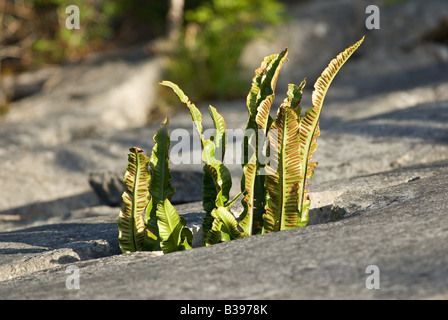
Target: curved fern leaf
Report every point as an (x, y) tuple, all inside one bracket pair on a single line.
[(309, 124), (259, 101), (131, 227), (194, 111), (213, 167), (262, 117), (248, 223), (170, 227), (217, 181), (283, 184), (209, 194), (229, 222), (220, 136), (160, 187), (263, 84), (323, 82), (216, 175), (213, 234), (294, 97)]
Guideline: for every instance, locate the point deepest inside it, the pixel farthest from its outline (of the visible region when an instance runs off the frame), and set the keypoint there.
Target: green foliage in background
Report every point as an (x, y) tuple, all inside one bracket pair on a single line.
[(214, 36), (210, 44), (54, 42), (39, 27), (389, 3)]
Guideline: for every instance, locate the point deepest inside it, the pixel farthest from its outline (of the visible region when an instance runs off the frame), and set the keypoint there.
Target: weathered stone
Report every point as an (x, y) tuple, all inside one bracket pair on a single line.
[(321, 29), (53, 139), (404, 236), (90, 234), (43, 247), (109, 186), (378, 194)]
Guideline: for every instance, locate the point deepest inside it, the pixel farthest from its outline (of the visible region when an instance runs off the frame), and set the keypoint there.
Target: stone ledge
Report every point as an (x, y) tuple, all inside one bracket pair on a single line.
[(405, 239)]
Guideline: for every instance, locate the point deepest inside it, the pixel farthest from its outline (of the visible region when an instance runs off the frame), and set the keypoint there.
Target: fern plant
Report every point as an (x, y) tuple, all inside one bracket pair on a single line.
[(275, 194)]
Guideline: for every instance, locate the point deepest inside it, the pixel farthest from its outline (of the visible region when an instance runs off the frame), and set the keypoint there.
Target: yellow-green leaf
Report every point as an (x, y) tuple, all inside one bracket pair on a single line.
[(131, 227)]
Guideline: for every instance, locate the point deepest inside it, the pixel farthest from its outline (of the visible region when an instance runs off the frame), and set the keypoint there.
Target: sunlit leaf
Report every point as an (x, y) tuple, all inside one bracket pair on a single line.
[(131, 227)]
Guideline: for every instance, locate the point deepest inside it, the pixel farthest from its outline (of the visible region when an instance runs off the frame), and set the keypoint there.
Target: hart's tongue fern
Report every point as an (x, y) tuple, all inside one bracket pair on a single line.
[(275, 194)]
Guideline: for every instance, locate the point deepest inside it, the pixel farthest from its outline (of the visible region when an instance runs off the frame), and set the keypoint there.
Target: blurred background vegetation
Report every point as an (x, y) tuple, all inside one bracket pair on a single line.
[(33, 32), (215, 33), (205, 37)]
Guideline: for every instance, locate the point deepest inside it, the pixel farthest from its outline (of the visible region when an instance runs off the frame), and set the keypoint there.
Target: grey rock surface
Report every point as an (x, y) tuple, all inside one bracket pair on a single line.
[(52, 140), (109, 186), (400, 228), (378, 194), (316, 26)]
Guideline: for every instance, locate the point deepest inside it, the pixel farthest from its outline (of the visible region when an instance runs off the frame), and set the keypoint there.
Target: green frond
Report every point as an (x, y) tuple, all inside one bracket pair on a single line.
[(160, 187), (217, 181), (294, 97), (229, 223), (259, 101), (309, 124), (194, 111), (283, 184), (263, 83), (170, 227), (220, 136), (131, 227)]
